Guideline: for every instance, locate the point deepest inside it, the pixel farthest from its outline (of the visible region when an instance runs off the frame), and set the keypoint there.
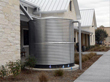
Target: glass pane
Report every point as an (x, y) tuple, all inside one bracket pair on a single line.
[(26, 37)]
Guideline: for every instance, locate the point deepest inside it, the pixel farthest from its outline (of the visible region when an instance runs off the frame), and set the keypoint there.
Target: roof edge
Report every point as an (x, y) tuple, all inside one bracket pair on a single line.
[(86, 26), (78, 15), (93, 17), (30, 4), (95, 20), (86, 9), (46, 12), (83, 31)]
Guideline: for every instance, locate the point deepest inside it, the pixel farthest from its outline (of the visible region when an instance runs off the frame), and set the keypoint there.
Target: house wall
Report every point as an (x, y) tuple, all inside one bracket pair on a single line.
[(107, 29), (92, 36), (69, 14), (76, 36), (9, 31), (107, 40), (92, 29)]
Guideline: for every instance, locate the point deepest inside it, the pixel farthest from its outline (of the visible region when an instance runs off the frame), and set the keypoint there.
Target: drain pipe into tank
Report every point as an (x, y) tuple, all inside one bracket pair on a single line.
[(80, 56)]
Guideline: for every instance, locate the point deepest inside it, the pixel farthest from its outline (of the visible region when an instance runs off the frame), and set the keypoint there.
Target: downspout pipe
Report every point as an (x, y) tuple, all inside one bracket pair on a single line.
[(80, 56), (25, 12)]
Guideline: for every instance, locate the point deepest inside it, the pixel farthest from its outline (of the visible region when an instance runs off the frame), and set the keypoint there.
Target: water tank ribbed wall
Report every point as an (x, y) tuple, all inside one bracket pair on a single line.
[(52, 41)]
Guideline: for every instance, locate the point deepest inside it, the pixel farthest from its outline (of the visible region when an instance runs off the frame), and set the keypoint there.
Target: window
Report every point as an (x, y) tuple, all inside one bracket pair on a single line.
[(70, 5), (25, 37), (74, 39), (91, 38)]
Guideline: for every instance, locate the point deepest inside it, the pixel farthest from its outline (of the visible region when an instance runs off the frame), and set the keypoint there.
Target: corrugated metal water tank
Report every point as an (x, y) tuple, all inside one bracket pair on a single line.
[(52, 42)]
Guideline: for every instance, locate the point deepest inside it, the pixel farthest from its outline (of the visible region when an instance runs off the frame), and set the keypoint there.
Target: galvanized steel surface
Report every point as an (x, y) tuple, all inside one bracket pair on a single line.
[(50, 5), (87, 17), (52, 41)]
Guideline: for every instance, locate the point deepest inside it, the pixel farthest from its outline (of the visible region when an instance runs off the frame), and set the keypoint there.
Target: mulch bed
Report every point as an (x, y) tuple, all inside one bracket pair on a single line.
[(69, 76), (99, 49)]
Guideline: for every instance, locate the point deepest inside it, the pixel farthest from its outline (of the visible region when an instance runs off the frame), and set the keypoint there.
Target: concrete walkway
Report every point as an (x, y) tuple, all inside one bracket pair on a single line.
[(98, 72)]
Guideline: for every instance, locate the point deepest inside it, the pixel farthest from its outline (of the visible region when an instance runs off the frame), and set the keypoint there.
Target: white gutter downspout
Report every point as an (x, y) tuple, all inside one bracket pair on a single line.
[(40, 14), (80, 56), (37, 10)]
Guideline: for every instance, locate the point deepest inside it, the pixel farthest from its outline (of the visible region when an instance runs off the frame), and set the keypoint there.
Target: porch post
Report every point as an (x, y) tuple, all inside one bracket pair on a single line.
[(89, 40)]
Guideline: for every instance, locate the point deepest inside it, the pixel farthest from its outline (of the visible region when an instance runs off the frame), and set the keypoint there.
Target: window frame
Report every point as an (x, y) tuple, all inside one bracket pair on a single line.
[(91, 38), (70, 6)]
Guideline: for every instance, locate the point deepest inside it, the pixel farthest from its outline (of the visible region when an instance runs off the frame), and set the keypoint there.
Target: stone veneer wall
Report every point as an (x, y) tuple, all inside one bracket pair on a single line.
[(9, 31)]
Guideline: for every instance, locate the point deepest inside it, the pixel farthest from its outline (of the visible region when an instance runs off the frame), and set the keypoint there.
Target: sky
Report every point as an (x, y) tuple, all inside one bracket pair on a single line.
[(102, 10)]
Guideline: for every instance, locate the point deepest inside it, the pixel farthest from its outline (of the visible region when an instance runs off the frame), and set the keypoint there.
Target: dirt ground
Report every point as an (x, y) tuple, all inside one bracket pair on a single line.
[(33, 76)]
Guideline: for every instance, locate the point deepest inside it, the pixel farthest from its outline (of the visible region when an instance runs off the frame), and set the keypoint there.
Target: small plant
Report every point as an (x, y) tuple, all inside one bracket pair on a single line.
[(15, 67), (43, 78), (84, 57), (59, 72), (30, 61), (77, 60), (88, 56), (3, 72)]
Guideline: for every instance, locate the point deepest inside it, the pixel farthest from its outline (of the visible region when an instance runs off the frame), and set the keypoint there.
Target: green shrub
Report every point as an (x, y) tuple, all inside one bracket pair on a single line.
[(59, 73), (30, 61), (43, 78), (15, 67), (3, 72)]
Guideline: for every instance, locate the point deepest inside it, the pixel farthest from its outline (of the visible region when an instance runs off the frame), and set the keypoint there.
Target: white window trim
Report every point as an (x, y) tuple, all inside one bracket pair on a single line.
[(91, 38), (23, 37)]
